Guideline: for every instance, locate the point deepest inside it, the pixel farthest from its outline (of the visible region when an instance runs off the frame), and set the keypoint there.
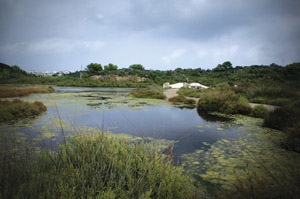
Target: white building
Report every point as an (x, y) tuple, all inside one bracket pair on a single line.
[(186, 85)]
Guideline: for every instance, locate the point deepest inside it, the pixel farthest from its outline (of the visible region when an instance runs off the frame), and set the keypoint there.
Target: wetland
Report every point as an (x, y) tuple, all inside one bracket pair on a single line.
[(216, 150)]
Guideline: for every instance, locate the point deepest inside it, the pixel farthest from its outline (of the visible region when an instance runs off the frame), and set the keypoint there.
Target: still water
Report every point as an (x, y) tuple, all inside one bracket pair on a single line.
[(214, 148)]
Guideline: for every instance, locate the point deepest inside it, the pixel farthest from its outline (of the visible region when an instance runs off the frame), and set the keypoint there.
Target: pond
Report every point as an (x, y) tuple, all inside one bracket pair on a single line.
[(215, 149)]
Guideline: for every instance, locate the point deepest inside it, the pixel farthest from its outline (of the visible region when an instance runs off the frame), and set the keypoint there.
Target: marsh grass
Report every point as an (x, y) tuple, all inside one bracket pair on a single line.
[(268, 95), (6, 91), (181, 99), (147, 93), (93, 166), (224, 102), (190, 92), (259, 111), (17, 109)]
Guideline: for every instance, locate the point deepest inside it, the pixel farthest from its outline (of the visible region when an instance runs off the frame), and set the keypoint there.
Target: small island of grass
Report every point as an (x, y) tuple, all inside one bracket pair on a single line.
[(17, 109)]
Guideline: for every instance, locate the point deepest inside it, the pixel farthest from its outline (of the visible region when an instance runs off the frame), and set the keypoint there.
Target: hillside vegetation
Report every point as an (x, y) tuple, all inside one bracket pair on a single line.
[(273, 75)]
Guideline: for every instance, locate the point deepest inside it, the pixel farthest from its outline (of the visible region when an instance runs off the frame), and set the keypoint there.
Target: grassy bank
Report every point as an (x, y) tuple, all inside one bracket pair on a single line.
[(17, 109), (7, 91), (93, 166), (147, 93)]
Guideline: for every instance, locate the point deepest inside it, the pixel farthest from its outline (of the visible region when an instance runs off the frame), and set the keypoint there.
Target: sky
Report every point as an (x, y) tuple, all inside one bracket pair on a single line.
[(57, 35)]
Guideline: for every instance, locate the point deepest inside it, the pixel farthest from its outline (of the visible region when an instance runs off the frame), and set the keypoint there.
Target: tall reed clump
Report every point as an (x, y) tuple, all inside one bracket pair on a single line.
[(147, 93), (94, 166), (17, 109), (6, 91), (223, 101), (287, 119)]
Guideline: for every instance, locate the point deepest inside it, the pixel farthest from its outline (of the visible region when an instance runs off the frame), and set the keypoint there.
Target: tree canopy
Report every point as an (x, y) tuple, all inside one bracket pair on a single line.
[(222, 67), (137, 67), (94, 69), (111, 67)]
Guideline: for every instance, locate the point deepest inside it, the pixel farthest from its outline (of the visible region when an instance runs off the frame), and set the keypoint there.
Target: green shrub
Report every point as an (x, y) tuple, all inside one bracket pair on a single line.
[(147, 93), (224, 102), (259, 111), (94, 166)]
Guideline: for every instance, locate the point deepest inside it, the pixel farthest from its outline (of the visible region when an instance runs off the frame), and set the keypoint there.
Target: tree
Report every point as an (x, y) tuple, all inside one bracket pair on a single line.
[(93, 69), (111, 67), (137, 67), (222, 67)]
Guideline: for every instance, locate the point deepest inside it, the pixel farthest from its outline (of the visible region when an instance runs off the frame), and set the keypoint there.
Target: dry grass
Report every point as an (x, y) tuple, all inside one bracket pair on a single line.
[(7, 91)]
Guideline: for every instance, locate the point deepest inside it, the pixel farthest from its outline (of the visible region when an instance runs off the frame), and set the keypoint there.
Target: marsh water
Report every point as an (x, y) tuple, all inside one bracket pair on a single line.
[(214, 148)]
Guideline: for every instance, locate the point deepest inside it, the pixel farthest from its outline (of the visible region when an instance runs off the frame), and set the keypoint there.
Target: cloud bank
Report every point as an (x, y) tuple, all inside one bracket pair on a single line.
[(53, 35)]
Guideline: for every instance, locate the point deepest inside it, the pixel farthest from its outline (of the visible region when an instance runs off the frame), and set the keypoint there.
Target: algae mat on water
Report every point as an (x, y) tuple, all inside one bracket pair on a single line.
[(227, 160)]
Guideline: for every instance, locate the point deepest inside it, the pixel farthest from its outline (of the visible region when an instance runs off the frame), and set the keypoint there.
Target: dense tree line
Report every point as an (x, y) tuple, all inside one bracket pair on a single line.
[(222, 74)]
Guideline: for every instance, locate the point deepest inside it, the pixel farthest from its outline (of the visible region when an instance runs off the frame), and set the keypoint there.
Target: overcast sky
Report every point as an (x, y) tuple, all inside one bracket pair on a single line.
[(160, 34)]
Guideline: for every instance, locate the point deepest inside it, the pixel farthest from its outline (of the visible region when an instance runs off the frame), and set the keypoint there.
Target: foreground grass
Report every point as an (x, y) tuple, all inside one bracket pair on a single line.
[(147, 93), (17, 109), (93, 166), (6, 91)]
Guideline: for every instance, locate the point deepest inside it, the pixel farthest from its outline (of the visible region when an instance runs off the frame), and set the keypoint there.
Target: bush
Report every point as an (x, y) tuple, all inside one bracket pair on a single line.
[(147, 93), (224, 102), (95, 166), (259, 111)]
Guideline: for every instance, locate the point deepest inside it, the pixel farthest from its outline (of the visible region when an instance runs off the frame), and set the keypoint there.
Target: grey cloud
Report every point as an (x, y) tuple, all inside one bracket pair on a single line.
[(156, 33)]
